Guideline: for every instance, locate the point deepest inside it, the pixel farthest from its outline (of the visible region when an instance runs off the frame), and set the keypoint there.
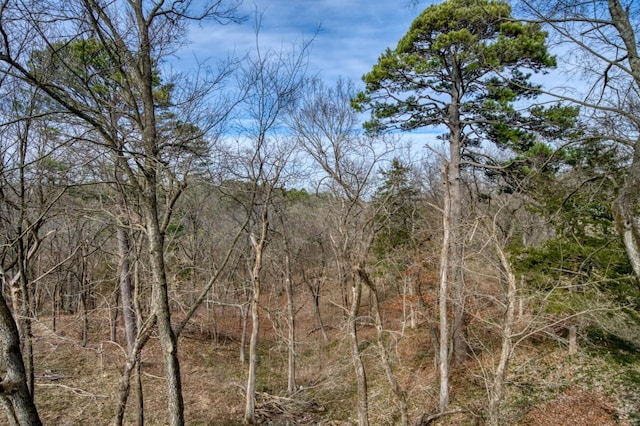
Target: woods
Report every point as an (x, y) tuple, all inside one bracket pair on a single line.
[(451, 242)]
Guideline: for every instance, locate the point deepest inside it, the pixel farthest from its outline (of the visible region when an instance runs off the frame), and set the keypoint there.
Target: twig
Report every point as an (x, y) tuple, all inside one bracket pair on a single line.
[(77, 391)]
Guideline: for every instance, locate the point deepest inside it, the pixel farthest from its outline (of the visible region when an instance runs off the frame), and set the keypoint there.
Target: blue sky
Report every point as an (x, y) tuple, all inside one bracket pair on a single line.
[(351, 33)]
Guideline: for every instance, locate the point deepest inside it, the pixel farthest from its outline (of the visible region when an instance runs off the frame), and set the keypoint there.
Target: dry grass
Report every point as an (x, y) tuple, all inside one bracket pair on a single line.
[(575, 408), (78, 386)]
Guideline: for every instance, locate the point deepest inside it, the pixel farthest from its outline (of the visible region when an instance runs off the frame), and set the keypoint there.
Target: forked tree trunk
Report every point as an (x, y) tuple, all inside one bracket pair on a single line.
[(356, 356), (132, 364), (314, 287), (496, 388), (258, 247)]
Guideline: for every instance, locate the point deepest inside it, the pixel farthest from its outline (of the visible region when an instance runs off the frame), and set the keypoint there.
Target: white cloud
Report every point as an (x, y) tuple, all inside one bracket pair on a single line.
[(353, 33)]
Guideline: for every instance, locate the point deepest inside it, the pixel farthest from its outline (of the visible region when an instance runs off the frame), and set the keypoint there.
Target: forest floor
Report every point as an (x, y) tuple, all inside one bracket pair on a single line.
[(78, 385)]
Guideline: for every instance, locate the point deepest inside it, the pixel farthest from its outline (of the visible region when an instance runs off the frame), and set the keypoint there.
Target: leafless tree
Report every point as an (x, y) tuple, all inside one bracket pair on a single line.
[(325, 127), (273, 80), (33, 31)]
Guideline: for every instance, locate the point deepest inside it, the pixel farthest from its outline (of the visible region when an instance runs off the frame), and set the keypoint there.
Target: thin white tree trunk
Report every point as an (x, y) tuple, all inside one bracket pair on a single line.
[(356, 356), (496, 393), (250, 403), (258, 246), (291, 317), (443, 357), (126, 289), (244, 312)]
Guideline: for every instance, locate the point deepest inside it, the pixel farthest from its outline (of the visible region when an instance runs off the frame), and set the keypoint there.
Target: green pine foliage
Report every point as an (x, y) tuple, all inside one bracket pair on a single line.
[(396, 204), (584, 262), (463, 53)]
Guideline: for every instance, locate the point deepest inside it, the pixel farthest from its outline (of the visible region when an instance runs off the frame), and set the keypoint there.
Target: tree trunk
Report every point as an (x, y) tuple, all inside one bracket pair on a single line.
[(133, 361), (258, 247), (356, 356), (126, 289), (626, 205), (456, 253), (161, 308), (314, 289), (496, 390), (56, 305), (573, 339), (13, 388), (130, 327), (151, 168), (625, 208), (113, 317), (443, 356), (84, 295), (291, 317), (20, 300), (244, 312), (250, 403), (139, 390)]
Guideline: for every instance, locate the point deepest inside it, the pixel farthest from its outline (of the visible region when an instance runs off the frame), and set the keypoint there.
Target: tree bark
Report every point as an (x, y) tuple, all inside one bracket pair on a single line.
[(258, 247), (356, 356), (244, 312), (443, 356), (291, 317), (314, 287), (496, 392), (626, 205), (126, 289), (13, 387), (161, 308), (84, 314), (155, 234), (250, 402), (133, 363), (456, 253), (625, 208)]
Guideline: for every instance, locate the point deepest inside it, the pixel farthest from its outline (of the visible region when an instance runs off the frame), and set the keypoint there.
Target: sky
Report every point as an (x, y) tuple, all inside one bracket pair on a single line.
[(349, 35)]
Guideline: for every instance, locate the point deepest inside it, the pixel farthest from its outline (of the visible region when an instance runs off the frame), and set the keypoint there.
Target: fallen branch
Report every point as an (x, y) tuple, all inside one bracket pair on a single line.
[(77, 391), (422, 421)]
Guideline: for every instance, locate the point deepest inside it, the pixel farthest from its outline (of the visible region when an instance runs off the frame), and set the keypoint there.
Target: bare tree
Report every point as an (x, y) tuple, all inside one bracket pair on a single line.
[(273, 80), (131, 58), (28, 193), (325, 127)]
